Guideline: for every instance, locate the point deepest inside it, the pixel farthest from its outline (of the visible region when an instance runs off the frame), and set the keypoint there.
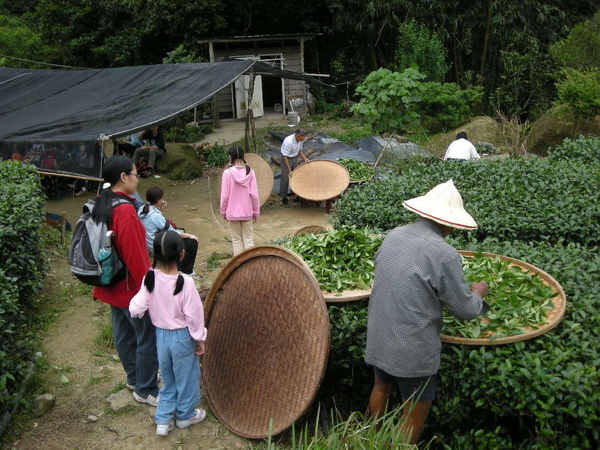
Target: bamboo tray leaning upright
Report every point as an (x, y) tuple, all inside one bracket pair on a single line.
[(269, 340)]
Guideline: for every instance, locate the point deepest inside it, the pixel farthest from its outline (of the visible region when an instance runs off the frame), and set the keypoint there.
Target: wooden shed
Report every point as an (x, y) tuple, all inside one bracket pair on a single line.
[(272, 96)]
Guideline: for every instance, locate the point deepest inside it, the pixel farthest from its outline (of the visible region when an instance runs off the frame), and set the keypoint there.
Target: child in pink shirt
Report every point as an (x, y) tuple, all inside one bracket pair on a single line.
[(240, 204), (176, 311)]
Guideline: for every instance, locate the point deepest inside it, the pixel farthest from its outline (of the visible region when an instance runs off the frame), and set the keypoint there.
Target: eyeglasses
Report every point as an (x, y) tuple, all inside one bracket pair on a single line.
[(137, 175)]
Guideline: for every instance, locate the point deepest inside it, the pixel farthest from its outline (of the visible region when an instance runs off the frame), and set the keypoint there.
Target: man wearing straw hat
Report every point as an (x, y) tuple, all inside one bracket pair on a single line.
[(417, 274)]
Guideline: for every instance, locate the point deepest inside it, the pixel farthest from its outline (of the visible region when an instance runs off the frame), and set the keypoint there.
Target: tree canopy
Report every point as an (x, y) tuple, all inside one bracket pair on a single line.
[(501, 45)]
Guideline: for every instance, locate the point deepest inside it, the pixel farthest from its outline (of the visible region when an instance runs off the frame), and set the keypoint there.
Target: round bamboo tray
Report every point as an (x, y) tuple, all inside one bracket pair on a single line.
[(316, 229), (268, 335), (346, 296), (264, 176), (319, 180), (553, 317)]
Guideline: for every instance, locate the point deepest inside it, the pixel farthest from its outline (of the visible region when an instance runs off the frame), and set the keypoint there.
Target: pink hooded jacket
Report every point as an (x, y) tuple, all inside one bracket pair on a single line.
[(239, 194)]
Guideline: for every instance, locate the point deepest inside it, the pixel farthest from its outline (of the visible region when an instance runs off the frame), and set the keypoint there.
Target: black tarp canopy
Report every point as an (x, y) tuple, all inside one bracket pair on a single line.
[(64, 113)]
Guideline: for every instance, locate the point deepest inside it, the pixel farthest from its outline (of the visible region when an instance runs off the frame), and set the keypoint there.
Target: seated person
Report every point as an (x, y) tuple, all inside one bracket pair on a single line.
[(129, 144), (152, 217), (461, 149), (154, 150)]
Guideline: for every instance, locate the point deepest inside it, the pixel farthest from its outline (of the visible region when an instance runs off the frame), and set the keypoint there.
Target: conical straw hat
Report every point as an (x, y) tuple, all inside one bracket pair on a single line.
[(443, 204)]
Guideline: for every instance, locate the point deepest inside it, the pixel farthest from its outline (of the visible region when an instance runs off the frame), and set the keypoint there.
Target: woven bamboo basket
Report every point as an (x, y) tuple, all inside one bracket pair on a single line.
[(268, 342), (264, 176), (319, 180), (553, 317), (316, 229)]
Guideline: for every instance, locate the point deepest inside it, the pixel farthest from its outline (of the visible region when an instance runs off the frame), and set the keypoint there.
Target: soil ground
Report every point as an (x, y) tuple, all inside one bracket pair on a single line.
[(82, 379)]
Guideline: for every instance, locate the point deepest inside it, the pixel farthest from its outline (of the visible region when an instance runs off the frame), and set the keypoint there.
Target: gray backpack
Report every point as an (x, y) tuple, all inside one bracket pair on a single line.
[(91, 256)]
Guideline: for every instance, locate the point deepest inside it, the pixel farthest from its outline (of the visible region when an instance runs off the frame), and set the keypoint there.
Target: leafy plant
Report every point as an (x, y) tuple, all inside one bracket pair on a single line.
[(580, 91), (388, 100), (340, 259), (519, 300), (485, 148), (358, 171), (214, 155), (421, 47), (21, 270), (444, 106), (583, 149)]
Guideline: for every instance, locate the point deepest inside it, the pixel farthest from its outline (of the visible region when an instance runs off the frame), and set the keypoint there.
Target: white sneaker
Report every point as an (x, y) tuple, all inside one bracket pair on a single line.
[(130, 387), (199, 416), (163, 430), (150, 400)]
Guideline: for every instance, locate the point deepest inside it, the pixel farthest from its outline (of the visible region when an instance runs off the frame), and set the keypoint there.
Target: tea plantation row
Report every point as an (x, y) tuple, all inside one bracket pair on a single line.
[(21, 272), (537, 394)]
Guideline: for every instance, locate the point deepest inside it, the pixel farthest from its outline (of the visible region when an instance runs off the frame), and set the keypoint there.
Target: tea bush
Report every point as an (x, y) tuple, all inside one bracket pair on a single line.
[(21, 270), (533, 394), (535, 199)]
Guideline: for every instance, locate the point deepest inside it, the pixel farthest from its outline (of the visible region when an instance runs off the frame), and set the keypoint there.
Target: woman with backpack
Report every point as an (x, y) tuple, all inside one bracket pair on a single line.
[(240, 204), (135, 339)]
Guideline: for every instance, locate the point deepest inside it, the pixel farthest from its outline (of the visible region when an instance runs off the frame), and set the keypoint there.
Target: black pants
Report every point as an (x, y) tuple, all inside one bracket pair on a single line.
[(191, 248)]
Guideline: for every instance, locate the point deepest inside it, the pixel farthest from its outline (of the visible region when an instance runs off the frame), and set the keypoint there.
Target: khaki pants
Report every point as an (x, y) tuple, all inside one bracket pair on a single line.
[(241, 235)]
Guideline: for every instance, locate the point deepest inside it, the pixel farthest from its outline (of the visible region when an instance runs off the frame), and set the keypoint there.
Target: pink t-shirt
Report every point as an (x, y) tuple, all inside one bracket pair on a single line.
[(168, 311)]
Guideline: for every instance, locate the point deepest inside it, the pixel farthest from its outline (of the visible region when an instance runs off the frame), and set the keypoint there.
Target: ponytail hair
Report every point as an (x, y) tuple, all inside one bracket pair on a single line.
[(153, 195), (167, 248), (114, 167), (237, 152)]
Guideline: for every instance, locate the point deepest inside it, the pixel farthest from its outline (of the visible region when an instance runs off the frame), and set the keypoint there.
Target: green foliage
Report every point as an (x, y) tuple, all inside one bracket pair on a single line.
[(539, 394), (388, 100), (544, 387), (189, 133), (358, 171), (583, 149), (580, 91), (518, 299), (214, 155), (181, 55), (419, 46), (526, 83), (580, 50), (358, 431), (515, 199), (340, 259), (446, 106), (19, 40), (21, 269)]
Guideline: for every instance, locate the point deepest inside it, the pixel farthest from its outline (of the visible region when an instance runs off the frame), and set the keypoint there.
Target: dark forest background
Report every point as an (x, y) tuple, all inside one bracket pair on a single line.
[(504, 46)]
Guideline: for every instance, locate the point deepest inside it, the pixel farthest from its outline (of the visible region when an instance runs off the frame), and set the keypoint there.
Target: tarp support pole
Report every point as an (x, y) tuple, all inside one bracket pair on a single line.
[(250, 125)]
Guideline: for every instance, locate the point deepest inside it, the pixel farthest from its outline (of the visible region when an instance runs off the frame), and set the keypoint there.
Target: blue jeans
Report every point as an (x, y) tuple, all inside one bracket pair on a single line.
[(180, 370), (135, 341)]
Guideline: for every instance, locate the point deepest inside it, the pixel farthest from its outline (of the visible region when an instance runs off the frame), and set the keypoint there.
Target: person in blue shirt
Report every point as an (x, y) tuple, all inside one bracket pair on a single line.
[(151, 215)]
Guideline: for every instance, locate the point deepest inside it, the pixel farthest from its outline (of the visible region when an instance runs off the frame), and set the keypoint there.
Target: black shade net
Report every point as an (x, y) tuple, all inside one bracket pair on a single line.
[(56, 118)]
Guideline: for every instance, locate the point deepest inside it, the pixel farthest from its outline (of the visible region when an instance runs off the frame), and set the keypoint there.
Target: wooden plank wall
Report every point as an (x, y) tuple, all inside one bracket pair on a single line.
[(292, 61)]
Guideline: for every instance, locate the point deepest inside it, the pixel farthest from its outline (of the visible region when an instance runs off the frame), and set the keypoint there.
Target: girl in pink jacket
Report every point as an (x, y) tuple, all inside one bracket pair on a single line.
[(240, 204)]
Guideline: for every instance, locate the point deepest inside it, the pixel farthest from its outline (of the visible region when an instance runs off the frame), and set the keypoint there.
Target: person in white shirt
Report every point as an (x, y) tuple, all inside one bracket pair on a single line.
[(291, 148), (461, 149)]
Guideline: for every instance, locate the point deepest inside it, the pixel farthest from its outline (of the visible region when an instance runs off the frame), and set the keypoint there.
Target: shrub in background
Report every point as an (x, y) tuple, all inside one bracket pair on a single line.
[(580, 91), (388, 100), (422, 48), (446, 106), (21, 270)]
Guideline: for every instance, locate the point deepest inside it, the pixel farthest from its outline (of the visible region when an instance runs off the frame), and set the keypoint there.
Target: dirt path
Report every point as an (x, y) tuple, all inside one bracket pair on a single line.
[(82, 381)]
